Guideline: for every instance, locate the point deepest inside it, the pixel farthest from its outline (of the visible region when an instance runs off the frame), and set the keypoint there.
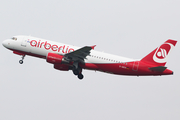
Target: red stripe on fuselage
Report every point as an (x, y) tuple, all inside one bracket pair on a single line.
[(125, 69), (129, 68)]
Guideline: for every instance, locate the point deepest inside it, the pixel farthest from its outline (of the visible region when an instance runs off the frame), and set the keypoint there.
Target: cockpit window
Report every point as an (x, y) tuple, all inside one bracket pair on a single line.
[(14, 38)]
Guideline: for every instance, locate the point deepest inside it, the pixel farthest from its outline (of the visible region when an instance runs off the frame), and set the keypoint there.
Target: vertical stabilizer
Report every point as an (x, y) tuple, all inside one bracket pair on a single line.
[(159, 56)]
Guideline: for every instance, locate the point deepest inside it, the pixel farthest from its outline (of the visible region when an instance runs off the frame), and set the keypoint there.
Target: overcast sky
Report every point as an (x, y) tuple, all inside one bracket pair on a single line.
[(129, 28)]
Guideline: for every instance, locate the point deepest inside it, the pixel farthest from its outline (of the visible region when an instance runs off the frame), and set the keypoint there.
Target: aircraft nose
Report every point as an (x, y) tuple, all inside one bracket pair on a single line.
[(5, 43)]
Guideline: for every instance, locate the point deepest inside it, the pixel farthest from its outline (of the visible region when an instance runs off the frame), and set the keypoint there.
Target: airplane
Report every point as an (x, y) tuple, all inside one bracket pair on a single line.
[(67, 57)]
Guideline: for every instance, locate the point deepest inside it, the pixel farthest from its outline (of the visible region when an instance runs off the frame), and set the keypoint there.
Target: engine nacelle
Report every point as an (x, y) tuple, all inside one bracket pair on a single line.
[(54, 58), (61, 67)]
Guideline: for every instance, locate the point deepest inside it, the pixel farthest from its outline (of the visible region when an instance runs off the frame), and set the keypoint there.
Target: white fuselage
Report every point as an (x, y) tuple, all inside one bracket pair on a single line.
[(67, 57), (42, 47)]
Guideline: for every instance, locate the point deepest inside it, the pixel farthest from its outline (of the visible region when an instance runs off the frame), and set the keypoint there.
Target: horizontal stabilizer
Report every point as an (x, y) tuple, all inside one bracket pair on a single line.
[(158, 69)]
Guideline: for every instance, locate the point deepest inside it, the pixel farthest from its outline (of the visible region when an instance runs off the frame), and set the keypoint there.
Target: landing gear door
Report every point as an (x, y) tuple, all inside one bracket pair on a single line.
[(24, 42)]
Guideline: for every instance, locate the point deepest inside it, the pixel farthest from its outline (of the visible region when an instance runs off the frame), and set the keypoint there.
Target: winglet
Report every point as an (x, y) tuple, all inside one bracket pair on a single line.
[(93, 47)]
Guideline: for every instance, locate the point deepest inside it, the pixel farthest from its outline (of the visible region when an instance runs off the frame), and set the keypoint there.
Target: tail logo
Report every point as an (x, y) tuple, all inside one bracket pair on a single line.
[(160, 56), (162, 53)]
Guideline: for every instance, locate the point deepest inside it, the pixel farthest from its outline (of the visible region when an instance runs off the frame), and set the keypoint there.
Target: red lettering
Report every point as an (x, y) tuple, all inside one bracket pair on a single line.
[(47, 46), (54, 47), (67, 49), (32, 43), (70, 50), (41, 44), (63, 49), (59, 48)]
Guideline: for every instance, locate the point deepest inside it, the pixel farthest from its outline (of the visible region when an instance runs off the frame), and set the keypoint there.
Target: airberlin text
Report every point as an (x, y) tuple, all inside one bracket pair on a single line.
[(48, 46)]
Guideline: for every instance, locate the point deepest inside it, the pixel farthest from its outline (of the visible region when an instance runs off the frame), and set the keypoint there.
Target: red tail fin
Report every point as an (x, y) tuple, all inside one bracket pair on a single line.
[(159, 56)]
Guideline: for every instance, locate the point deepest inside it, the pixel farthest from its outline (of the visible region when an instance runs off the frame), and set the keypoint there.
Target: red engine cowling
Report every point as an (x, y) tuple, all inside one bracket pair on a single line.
[(61, 67), (54, 58)]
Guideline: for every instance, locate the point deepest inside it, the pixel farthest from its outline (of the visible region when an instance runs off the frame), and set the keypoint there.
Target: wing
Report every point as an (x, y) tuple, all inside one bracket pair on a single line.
[(80, 54)]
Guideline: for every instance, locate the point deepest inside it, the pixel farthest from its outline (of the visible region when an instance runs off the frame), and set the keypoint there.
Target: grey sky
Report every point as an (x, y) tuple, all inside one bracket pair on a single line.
[(128, 28)]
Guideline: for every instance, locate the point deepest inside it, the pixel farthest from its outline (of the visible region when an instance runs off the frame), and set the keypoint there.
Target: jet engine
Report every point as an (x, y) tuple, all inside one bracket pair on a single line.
[(61, 67), (56, 59)]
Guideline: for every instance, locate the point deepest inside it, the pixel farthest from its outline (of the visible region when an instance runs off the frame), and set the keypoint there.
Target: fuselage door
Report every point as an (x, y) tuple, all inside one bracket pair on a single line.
[(135, 66), (24, 42)]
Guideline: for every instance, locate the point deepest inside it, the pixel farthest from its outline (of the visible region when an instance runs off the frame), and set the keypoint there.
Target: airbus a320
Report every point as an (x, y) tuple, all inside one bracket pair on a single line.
[(67, 57)]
